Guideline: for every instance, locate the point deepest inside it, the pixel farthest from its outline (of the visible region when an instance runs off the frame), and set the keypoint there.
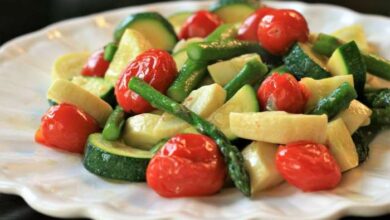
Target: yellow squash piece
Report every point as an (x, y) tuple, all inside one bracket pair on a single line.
[(279, 127), (130, 46), (341, 145), (64, 91), (356, 115), (319, 89), (138, 131), (354, 32), (69, 65), (259, 161)]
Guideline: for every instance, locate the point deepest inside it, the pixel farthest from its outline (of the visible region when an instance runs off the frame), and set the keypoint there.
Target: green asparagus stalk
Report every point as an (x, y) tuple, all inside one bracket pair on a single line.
[(232, 155), (222, 32), (112, 129)]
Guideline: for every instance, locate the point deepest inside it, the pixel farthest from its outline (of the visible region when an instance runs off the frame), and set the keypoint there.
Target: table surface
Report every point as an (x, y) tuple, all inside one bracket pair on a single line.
[(37, 14)]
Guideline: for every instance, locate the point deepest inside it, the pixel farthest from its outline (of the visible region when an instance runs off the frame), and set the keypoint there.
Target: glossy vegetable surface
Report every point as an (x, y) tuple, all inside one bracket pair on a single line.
[(187, 165), (200, 24), (96, 65)]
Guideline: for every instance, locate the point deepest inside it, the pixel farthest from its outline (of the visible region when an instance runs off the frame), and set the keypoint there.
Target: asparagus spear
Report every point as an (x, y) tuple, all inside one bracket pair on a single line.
[(112, 129), (232, 155)]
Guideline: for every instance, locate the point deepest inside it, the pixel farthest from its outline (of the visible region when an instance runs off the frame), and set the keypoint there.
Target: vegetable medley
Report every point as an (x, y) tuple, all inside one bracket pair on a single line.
[(239, 93)]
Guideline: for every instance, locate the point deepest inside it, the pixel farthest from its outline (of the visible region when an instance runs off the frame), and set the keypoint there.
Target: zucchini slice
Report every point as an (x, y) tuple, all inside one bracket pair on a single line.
[(245, 100), (303, 62), (233, 12), (97, 86), (115, 160), (131, 45), (177, 20), (64, 91), (69, 65), (345, 60), (153, 26)]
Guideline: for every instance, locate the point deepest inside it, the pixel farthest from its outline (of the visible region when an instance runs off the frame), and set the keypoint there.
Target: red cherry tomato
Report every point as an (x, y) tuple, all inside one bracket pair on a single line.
[(200, 24), (308, 166), (281, 92), (248, 29), (187, 165), (155, 67), (279, 29), (66, 127), (96, 65)]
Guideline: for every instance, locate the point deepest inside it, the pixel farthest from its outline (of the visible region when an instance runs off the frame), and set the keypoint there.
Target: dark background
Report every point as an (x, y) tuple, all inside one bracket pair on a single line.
[(18, 17)]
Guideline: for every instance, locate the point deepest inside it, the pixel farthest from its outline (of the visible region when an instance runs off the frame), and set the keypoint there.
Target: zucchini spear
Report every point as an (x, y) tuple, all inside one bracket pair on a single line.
[(232, 156)]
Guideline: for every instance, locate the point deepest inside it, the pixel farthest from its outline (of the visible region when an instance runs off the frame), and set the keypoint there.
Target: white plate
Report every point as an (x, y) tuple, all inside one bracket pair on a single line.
[(56, 183)]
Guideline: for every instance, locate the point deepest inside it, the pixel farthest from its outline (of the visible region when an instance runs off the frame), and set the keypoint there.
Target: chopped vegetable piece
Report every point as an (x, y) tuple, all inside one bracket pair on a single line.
[(113, 128), (200, 24), (187, 165), (109, 51)]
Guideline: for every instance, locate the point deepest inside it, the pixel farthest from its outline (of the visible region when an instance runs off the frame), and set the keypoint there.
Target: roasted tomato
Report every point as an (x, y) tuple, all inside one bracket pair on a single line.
[(66, 127), (187, 165), (96, 65), (200, 24), (279, 29), (248, 29), (156, 67), (282, 92), (308, 166)]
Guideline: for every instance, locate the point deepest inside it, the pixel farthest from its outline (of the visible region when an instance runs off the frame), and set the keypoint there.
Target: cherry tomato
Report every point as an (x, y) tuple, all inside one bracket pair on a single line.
[(279, 29), (187, 165), (308, 166), (155, 67), (248, 29), (66, 127), (281, 92), (96, 65), (200, 24)]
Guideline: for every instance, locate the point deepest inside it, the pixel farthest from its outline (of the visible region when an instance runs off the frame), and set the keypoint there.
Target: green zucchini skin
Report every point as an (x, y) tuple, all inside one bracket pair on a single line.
[(159, 145), (327, 44), (113, 128), (338, 100), (301, 65), (355, 65), (253, 3), (190, 75), (222, 33), (280, 69), (381, 116), (129, 21), (252, 72), (233, 157), (105, 164), (382, 100)]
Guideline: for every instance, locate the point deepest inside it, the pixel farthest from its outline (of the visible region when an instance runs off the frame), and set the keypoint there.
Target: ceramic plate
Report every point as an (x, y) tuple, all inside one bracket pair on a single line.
[(56, 183)]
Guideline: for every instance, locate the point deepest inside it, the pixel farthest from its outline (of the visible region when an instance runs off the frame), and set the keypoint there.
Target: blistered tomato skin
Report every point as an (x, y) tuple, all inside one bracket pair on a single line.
[(248, 29), (156, 67), (187, 165), (282, 92), (308, 166), (66, 127), (200, 24), (279, 29), (96, 65)]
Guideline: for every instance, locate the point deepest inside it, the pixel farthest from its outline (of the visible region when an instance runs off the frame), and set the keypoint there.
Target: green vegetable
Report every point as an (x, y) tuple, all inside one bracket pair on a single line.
[(252, 72), (337, 101), (280, 69), (152, 26), (115, 160), (190, 75), (302, 62), (253, 3), (223, 50), (362, 138), (232, 155), (109, 51), (381, 116), (378, 66), (177, 19), (112, 129), (345, 60), (382, 99), (222, 32)]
